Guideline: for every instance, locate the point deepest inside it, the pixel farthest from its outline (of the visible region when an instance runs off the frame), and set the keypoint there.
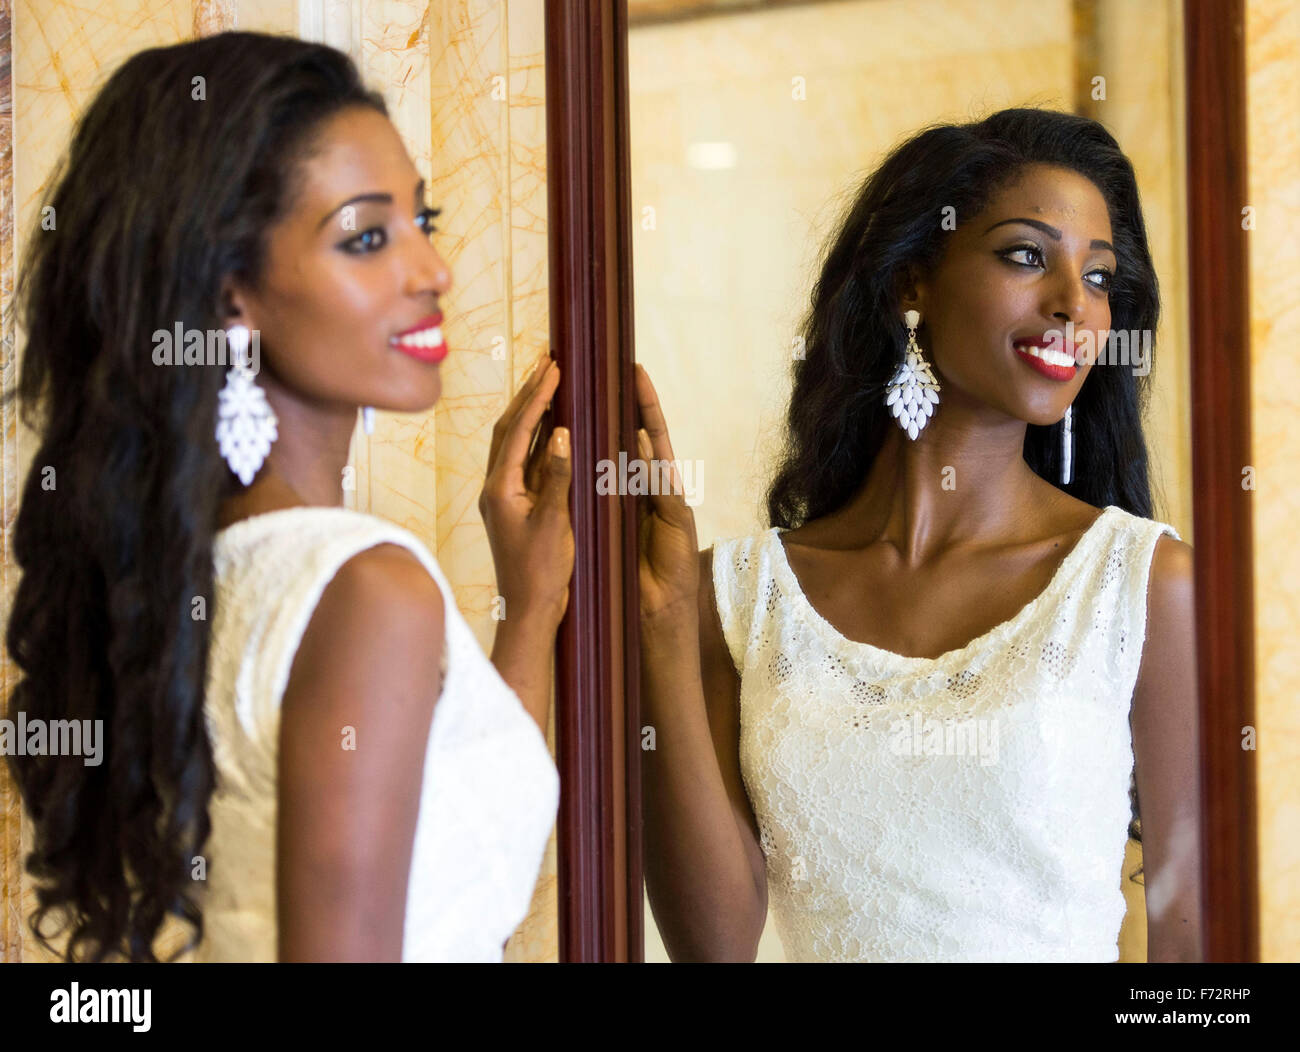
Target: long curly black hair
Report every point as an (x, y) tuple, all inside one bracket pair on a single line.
[(177, 170), (854, 336)]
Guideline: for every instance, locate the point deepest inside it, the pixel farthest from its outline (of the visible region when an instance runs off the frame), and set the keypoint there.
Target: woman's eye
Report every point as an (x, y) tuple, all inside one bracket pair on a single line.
[(428, 216), (360, 245), (1034, 249), (1104, 285), (376, 237)]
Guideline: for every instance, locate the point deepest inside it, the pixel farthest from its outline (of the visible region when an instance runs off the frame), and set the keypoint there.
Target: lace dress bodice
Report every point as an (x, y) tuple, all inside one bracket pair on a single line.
[(969, 807), (490, 790)]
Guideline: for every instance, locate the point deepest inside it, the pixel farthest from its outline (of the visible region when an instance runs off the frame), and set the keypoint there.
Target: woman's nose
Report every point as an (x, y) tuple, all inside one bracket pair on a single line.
[(427, 271), (1068, 299)]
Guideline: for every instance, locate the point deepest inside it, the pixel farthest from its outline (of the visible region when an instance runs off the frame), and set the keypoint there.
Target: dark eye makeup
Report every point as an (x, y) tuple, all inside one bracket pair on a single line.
[(359, 245), (1029, 246)]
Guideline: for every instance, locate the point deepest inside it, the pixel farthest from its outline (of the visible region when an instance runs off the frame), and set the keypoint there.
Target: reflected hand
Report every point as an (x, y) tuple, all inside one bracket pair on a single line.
[(668, 560), (525, 504)]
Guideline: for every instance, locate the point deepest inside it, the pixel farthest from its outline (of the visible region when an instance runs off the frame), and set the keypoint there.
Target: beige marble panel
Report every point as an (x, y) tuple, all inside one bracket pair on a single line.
[(1273, 148), (266, 16), (530, 319), (489, 175), (398, 477)]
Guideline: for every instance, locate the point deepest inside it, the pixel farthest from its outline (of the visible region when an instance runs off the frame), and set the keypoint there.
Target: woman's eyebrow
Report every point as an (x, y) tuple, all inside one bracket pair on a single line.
[(377, 198), (1052, 232)]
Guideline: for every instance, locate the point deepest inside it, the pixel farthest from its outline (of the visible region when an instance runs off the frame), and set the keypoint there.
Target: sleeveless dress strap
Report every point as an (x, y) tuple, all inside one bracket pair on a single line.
[(1131, 560), (296, 565), (736, 572)]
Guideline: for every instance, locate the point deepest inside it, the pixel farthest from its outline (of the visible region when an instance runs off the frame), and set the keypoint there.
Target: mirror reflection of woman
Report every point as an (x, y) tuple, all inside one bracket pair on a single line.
[(308, 756), (920, 714)]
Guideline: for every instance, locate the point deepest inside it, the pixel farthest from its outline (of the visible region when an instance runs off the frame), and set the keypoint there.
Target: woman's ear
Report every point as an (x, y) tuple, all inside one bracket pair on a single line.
[(909, 288), (233, 305)]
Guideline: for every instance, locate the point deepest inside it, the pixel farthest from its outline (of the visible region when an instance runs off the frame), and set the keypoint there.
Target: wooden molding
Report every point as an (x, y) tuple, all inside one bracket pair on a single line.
[(591, 336), (1218, 293)]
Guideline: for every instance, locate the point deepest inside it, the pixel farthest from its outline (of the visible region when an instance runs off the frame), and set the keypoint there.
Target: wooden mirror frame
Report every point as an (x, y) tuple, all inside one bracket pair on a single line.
[(598, 712)]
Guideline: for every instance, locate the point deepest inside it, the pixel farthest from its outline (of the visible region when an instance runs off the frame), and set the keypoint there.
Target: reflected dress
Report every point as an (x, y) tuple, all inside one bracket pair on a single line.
[(969, 807)]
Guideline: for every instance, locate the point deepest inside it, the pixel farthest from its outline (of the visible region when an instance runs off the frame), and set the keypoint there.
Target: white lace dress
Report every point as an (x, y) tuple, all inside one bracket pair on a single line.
[(490, 790), (969, 807)]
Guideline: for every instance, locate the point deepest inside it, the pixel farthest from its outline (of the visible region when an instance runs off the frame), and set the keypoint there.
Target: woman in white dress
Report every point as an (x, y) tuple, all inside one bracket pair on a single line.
[(307, 756), (921, 695)]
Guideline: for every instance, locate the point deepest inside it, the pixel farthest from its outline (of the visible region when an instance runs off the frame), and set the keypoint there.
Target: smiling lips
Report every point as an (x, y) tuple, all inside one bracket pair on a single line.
[(423, 340), (1044, 355)]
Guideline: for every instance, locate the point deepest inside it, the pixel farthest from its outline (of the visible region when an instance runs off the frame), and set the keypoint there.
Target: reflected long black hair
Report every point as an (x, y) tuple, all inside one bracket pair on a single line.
[(854, 335), (177, 170)]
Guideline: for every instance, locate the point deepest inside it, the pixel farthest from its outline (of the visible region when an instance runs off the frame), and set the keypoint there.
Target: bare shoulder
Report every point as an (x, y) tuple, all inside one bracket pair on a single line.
[(355, 721), (1166, 676), (708, 604), (391, 576), (713, 647), (706, 565), (1171, 565), (1170, 586), (825, 532), (382, 615)]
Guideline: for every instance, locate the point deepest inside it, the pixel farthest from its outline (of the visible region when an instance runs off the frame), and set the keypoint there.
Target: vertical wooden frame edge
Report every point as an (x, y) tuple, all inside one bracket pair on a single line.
[(1214, 33), (589, 300)]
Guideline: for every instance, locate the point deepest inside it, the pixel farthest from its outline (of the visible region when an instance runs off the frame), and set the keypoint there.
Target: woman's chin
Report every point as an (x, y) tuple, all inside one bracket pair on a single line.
[(1040, 411), (419, 400)]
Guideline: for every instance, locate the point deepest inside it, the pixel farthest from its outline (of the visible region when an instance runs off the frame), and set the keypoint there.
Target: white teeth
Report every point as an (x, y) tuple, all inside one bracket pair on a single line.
[(423, 338), (1048, 354)]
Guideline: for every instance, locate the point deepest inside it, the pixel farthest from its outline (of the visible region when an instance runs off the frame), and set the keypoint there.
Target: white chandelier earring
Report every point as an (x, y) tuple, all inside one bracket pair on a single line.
[(246, 423), (913, 391), (1067, 447)]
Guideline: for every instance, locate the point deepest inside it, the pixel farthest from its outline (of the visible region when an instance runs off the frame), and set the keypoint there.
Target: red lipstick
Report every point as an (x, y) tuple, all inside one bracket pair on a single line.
[(423, 340), (1046, 355)]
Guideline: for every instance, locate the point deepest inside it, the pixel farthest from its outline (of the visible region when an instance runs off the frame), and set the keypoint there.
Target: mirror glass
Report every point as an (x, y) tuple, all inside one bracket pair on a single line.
[(754, 127)]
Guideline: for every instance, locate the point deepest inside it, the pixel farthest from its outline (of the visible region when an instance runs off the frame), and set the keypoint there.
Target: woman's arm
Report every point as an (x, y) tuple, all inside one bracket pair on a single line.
[(1164, 720), (354, 730), (704, 867), (521, 652), (525, 507)]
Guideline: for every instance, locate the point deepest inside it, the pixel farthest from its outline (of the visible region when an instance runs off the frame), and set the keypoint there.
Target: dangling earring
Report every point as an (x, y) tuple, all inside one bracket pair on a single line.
[(1067, 448), (246, 424), (913, 391), (368, 419)]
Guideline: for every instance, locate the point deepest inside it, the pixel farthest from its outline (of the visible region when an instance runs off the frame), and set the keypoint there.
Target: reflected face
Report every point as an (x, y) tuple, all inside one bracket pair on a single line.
[(1039, 256), (349, 270)]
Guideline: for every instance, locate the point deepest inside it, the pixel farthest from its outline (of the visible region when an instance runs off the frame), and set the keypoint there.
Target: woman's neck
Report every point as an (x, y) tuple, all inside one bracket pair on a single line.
[(306, 462), (964, 479)]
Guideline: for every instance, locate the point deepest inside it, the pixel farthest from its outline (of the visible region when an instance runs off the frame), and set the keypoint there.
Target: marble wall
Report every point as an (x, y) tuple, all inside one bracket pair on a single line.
[(465, 87)]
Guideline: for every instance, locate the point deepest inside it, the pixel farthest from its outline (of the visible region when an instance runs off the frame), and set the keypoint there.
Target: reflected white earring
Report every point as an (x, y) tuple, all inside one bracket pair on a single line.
[(1067, 448), (368, 419), (246, 424), (913, 391)]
